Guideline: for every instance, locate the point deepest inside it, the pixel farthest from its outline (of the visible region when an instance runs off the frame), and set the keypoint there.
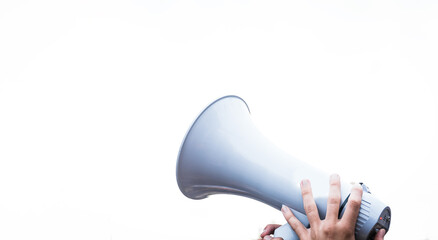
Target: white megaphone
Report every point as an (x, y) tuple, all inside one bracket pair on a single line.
[(223, 152)]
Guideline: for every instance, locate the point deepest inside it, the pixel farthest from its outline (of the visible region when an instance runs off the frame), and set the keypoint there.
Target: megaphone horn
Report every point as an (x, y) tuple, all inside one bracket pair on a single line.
[(224, 153)]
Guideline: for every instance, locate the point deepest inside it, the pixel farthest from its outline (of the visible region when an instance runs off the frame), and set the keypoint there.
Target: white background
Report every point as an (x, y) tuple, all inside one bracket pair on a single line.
[(96, 96)]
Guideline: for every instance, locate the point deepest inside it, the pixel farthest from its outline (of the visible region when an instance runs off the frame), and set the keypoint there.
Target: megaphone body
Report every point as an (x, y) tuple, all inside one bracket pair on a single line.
[(224, 153)]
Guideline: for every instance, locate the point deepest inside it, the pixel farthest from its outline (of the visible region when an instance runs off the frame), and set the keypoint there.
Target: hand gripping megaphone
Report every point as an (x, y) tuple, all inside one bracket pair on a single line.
[(224, 152)]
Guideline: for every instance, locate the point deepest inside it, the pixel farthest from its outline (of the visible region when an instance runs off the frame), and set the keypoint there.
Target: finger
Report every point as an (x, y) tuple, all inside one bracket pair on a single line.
[(272, 238), (296, 225), (334, 198), (380, 234), (269, 229), (353, 206), (309, 203)]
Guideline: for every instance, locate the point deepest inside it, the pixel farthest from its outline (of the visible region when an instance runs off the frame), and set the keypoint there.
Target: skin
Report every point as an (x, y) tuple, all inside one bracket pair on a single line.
[(330, 228)]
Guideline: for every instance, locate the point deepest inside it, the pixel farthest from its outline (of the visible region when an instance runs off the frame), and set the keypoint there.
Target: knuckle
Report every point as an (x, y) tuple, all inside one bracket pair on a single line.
[(293, 222), (333, 200), (309, 209), (335, 182), (348, 231), (326, 229), (357, 190), (268, 228), (306, 191), (355, 203)]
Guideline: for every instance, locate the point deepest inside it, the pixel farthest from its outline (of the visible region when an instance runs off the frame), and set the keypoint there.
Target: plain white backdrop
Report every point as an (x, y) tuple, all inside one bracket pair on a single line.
[(96, 97)]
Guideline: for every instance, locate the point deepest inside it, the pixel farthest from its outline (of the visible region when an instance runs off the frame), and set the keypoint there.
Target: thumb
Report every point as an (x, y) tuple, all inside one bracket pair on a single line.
[(267, 237), (380, 234)]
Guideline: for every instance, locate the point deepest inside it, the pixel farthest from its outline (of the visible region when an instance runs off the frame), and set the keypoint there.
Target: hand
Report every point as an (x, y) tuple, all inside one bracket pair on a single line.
[(269, 229), (380, 234), (331, 227)]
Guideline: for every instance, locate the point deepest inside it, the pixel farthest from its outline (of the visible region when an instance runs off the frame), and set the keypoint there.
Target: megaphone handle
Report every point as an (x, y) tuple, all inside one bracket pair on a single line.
[(286, 232)]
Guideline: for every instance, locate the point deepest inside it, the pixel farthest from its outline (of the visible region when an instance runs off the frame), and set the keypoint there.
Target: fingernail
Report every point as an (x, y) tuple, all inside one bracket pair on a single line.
[(284, 208), (357, 186), (305, 183), (334, 177)]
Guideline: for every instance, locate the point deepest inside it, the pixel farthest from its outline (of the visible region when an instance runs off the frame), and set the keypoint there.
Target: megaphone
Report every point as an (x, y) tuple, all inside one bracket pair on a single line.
[(223, 152)]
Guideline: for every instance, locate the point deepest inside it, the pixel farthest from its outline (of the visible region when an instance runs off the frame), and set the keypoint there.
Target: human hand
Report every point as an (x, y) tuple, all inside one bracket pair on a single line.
[(331, 227), (380, 234), (269, 229)]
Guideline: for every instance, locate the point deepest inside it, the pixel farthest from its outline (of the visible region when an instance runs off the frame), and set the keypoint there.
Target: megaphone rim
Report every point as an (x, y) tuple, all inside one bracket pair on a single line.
[(190, 129)]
